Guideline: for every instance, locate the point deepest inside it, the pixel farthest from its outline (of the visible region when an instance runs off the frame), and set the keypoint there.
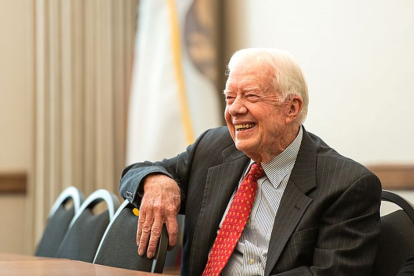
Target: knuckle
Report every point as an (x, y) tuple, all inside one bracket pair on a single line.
[(143, 207), (171, 209), (146, 229), (153, 243), (156, 231), (157, 208), (173, 234), (143, 242)]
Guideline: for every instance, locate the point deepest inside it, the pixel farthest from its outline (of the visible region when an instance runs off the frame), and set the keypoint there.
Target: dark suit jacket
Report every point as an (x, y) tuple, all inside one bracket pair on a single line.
[(407, 268), (327, 223)]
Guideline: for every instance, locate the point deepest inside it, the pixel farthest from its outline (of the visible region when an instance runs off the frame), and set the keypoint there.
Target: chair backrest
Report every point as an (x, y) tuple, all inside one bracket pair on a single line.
[(58, 221), (397, 237), (86, 228), (118, 247)]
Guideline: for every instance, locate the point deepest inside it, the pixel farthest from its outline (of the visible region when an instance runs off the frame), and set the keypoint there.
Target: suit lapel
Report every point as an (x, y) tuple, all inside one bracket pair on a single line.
[(294, 201), (220, 184)]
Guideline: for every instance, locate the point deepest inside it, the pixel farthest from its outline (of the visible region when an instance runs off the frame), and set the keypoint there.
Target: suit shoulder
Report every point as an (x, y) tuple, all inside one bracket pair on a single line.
[(330, 159), (218, 135), (213, 142)]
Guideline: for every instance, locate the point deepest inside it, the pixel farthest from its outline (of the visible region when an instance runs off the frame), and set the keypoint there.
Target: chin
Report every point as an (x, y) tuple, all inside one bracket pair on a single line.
[(238, 146), (242, 146)]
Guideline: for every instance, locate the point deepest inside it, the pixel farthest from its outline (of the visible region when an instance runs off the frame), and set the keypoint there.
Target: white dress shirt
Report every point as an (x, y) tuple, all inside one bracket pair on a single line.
[(250, 255)]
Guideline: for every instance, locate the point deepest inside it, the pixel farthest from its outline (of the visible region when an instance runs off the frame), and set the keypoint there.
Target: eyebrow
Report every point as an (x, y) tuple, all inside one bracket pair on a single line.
[(244, 89), (250, 88)]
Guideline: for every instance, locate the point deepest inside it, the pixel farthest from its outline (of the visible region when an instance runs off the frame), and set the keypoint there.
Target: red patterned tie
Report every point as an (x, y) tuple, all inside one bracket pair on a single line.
[(234, 222)]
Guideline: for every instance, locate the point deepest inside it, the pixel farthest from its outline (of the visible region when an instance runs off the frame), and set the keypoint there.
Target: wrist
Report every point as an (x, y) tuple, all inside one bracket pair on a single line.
[(156, 181)]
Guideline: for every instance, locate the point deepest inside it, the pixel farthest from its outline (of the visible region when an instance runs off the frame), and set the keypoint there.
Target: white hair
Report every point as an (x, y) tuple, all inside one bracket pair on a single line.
[(288, 76)]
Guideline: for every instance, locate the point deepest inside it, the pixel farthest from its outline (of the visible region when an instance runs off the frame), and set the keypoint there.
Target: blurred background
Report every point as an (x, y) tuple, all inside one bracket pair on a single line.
[(87, 87)]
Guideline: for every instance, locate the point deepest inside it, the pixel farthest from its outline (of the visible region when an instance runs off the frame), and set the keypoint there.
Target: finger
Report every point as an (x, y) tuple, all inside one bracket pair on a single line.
[(141, 220), (172, 229), (146, 231), (156, 231)]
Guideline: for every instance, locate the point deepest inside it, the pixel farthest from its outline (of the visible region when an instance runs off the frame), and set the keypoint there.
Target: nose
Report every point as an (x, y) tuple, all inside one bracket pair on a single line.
[(237, 107)]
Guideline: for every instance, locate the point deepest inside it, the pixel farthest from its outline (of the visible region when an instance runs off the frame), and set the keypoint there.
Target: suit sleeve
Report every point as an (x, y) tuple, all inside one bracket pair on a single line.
[(178, 168), (407, 268)]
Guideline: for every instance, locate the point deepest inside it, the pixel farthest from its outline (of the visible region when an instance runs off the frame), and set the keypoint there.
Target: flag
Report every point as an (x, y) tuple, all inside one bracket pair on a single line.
[(174, 97)]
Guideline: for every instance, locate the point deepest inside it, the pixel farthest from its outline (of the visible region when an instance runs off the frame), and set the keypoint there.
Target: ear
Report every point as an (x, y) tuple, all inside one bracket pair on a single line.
[(294, 109)]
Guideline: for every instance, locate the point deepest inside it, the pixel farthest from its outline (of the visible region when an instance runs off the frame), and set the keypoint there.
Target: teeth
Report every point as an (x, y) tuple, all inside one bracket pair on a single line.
[(244, 126)]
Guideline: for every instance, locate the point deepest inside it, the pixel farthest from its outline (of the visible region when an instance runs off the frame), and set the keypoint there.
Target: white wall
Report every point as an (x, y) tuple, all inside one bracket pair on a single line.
[(13, 85), (13, 117), (358, 59)]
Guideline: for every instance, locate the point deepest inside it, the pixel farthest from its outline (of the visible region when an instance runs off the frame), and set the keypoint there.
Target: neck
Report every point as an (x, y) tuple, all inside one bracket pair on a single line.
[(267, 155)]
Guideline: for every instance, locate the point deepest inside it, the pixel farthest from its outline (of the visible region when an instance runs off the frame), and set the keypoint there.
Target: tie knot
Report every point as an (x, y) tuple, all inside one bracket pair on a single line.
[(256, 170)]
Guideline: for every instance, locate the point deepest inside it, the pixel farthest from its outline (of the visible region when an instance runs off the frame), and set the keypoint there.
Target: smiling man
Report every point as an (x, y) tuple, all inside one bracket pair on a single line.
[(261, 121), (261, 196)]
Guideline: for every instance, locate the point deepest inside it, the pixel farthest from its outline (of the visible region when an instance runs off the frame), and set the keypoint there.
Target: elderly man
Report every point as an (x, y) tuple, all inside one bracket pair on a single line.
[(261, 196)]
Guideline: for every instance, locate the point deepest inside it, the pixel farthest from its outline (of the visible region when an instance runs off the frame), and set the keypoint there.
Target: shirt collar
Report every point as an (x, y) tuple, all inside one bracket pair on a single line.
[(282, 164)]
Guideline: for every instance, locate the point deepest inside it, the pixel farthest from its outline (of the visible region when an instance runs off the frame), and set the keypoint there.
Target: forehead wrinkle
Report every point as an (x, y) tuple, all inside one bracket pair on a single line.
[(243, 90), (243, 86), (249, 88)]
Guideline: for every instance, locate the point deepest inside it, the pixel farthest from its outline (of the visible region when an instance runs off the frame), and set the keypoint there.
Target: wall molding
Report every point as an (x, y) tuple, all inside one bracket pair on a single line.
[(394, 176), (13, 182)]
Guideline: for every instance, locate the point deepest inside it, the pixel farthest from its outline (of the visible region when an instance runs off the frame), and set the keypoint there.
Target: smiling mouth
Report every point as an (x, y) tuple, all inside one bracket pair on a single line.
[(244, 126)]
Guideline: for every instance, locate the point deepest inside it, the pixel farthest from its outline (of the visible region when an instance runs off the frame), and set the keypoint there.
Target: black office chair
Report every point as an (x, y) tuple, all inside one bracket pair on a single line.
[(86, 229), (59, 218), (396, 242), (118, 247)]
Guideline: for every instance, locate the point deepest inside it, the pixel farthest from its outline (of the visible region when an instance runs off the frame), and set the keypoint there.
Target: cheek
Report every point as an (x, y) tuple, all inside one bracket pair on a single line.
[(268, 128), (227, 116), (274, 128), (230, 126)]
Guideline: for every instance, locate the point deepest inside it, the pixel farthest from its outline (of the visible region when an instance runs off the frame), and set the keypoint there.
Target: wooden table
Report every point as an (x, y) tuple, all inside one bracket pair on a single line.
[(13, 264)]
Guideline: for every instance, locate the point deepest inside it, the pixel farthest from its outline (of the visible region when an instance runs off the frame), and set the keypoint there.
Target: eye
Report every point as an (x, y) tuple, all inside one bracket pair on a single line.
[(252, 97), (230, 98)]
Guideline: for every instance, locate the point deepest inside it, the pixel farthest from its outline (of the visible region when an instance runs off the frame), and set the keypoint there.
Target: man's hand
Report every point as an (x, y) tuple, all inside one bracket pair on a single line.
[(160, 203)]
